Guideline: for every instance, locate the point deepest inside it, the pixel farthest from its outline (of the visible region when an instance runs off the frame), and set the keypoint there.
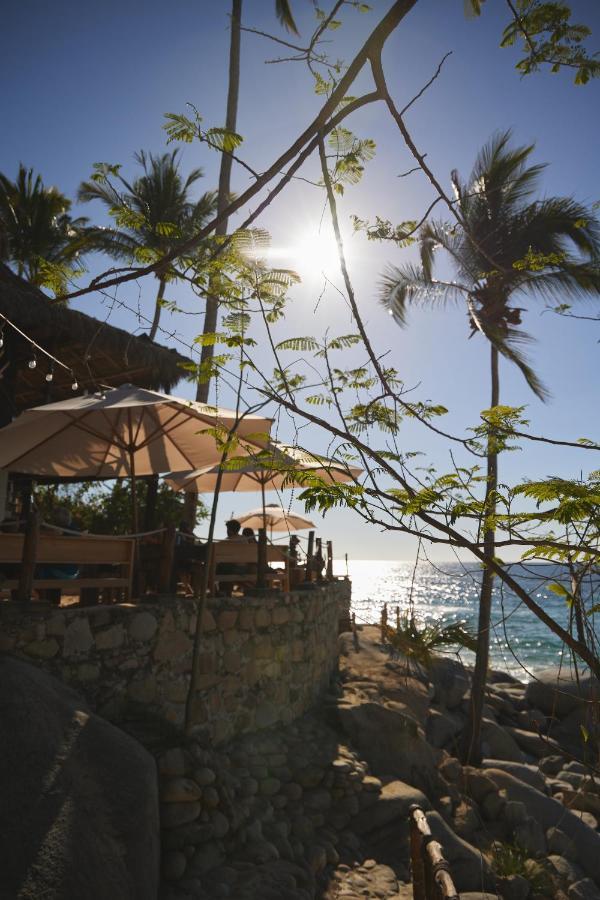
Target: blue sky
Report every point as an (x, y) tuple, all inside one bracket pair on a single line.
[(89, 83)]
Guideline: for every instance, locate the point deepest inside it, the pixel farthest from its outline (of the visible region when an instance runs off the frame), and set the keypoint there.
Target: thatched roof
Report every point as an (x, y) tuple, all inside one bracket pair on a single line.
[(97, 352)]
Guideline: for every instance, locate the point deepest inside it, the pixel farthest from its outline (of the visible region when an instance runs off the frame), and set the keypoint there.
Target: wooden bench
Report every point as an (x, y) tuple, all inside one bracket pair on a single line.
[(244, 554), (80, 550)]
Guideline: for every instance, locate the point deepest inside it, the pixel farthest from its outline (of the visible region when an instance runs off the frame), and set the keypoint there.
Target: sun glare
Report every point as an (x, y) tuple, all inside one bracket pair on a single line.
[(312, 254)]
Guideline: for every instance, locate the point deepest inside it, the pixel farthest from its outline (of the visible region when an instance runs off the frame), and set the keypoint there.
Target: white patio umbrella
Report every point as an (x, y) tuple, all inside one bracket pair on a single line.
[(125, 431), (277, 466), (276, 517)]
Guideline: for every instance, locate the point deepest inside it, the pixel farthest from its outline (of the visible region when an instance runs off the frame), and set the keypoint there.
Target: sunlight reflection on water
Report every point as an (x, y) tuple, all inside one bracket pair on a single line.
[(520, 643)]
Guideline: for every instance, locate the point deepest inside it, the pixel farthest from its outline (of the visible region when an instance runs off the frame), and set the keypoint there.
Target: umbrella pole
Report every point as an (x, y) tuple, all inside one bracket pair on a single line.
[(134, 510), (262, 490), (135, 581)]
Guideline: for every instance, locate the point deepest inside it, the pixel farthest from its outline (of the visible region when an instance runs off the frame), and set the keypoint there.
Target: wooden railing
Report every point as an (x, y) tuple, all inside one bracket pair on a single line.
[(431, 878)]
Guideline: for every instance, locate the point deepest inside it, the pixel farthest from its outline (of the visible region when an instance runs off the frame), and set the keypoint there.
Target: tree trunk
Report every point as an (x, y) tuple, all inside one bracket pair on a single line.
[(212, 301), (157, 309), (471, 750)]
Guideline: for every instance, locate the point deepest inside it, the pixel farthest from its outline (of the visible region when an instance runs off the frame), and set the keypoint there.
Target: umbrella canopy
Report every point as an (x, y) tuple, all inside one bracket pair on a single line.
[(278, 466), (123, 431), (276, 517)]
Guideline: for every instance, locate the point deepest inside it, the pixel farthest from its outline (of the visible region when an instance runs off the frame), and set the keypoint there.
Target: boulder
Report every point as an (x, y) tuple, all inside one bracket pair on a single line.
[(529, 774), (399, 748), (555, 692), (470, 869), (549, 813), (498, 743), (79, 811), (585, 889), (442, 727), (535, 744), (393, 803), (450, 679), (478, 895)]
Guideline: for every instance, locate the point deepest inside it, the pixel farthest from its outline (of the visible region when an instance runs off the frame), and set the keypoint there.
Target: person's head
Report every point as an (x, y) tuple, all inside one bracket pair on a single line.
[(248, 533), (294, 540), (185, 528), (62, 516), (233, 527)]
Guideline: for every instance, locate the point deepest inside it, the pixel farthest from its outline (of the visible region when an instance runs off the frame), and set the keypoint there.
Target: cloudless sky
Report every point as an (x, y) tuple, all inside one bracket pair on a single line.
[(86, 83)]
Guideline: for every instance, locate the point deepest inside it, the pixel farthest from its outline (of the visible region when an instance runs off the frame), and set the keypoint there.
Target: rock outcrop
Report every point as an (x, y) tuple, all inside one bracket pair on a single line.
[(79, 808)]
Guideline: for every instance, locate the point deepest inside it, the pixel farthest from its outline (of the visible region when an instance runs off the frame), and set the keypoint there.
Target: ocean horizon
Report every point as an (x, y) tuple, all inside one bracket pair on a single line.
[(520, 643)]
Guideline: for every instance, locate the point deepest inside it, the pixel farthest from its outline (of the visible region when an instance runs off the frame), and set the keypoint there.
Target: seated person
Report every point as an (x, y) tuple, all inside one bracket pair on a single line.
[(233, 528), (248, 533), (294, 549)]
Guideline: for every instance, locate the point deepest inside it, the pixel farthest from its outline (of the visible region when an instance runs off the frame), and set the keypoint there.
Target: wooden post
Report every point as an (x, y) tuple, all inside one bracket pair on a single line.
[(166, 571), (354, 632), (416, 853), (318, 559), (30, 544), (261, 559), (329, 561), (309, 555), (384, 621)]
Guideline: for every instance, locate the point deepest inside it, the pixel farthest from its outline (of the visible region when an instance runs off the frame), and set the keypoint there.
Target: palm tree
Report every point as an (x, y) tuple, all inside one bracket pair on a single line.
[(153, 213), (507, 246), (284, 14), (35, 226)]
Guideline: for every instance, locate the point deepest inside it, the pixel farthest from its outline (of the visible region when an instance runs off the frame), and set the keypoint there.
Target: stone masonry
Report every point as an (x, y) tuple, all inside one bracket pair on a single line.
[(264, 660)]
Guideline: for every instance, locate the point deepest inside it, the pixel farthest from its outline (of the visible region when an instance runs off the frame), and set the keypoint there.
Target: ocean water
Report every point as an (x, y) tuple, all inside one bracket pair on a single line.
[(520, 643)]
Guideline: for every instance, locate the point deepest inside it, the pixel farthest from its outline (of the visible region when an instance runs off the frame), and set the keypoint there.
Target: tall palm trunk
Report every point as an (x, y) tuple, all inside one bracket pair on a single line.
[(157, 309), (212, 301), (472, 737)]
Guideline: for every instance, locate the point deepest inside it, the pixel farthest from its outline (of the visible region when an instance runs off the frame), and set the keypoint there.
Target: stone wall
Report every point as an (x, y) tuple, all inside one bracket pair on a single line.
[(263, 660)]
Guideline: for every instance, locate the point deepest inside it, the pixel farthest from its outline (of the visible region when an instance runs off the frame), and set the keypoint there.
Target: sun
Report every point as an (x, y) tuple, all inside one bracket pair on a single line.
[(312, 253), (316, 254)]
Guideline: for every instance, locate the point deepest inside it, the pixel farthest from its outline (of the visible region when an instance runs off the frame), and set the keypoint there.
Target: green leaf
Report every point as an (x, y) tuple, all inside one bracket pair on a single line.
[(223, 139), (298, 343)]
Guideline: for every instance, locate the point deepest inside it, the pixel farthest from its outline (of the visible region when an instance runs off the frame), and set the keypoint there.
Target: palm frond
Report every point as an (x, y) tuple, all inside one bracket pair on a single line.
[(283, 11), (400, 287), (507, 345)]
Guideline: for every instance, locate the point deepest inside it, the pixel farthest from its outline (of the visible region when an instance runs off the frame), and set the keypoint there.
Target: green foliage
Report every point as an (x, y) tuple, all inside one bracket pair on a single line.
[(419, 642), (105, 507), (511, 859), (180, 127), (507, 245), (385, 230), (547, 37), (38, 236)]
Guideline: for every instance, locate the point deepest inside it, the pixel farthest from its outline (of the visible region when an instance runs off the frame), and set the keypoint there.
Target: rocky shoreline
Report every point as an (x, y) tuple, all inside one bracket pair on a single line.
[(318, 808)]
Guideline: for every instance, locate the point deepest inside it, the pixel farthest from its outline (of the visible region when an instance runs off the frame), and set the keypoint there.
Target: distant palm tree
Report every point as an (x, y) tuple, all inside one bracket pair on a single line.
[(153, 213), (35, 226), (283, 12), (508, 246)]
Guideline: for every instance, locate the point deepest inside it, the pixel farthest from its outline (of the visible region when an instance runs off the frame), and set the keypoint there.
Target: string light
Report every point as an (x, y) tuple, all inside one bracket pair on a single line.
[(32, 363)]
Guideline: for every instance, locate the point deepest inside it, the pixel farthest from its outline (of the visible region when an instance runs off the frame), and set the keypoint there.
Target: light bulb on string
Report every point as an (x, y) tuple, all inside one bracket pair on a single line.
[(50, 374), (32, 362), (74, 386), (1, 336)]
